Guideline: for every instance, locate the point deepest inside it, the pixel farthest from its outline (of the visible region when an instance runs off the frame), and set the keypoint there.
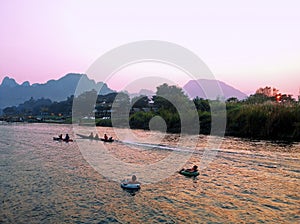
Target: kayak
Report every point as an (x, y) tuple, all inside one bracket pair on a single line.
[(97, 139), (63, 140), (130, 186), (189, 173)]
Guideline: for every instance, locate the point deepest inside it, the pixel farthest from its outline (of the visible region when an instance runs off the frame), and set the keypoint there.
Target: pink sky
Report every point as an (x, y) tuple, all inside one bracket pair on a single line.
[(247, 44)]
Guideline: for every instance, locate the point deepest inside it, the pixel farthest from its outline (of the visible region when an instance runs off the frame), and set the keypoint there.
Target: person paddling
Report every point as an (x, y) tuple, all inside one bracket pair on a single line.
[(105, 137), (67, 138)]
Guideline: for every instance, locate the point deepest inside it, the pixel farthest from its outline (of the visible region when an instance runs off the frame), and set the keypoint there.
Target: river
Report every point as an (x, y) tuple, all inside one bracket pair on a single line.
[(45, 181)]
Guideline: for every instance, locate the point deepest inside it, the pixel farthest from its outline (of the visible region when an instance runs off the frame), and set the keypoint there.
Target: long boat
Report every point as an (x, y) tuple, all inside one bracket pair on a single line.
[(93, 138)]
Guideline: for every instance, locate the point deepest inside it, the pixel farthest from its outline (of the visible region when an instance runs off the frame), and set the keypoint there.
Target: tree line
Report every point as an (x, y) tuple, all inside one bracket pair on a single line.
[(260, 116)]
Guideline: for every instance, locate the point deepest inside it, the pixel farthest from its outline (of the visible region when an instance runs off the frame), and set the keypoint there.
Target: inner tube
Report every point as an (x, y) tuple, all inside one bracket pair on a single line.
[(188, 173), (130, 186)]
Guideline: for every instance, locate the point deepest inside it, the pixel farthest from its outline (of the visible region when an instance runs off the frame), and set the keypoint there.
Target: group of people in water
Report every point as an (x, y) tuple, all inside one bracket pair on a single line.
[(134, 179), (105, 137)]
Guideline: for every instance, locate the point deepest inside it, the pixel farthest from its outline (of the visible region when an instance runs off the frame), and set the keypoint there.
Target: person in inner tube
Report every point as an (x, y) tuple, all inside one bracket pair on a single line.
[(133, 180), (193, 169)]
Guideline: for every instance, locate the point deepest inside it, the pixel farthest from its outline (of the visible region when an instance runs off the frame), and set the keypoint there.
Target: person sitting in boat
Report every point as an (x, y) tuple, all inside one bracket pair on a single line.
[(96, 136), (110, 138), (133, 180), (91, 135), (67, 138), (60, 137), (105, 137)]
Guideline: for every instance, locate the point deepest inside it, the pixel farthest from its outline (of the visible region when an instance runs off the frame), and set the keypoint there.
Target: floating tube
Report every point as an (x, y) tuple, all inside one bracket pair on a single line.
[(130, 186), (188, 173)]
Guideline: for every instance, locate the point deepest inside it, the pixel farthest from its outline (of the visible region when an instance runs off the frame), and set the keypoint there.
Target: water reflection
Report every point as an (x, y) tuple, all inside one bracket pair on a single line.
[(44, 181), (132, 192)]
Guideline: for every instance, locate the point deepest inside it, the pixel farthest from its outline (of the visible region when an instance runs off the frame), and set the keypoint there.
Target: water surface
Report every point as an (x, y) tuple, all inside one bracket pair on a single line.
[(44, 181)]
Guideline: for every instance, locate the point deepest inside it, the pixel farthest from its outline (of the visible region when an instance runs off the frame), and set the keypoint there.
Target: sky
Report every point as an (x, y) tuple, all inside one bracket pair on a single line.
[(246, 44)]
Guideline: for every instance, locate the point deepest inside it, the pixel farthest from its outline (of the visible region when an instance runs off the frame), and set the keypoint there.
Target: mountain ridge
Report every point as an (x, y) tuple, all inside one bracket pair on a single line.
[(212, 89), (12, 93)]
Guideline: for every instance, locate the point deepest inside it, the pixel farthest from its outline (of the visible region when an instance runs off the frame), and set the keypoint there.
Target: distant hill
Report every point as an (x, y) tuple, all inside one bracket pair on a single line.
[(142, 92), (12, 94), (208, 89)]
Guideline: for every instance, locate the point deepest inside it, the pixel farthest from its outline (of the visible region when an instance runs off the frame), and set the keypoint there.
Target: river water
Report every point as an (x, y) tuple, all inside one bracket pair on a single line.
[(45, 181)]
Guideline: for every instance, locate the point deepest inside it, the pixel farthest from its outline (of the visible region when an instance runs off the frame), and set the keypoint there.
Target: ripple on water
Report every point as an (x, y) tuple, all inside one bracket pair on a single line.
[(43, 181)]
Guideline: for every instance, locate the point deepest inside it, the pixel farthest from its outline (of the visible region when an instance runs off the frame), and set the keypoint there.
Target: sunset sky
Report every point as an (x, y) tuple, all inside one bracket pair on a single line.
[(247, 44)]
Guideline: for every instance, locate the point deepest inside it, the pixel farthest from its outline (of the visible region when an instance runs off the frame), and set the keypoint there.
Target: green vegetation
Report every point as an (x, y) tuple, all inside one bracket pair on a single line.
[(260, 116), (264, 121)]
